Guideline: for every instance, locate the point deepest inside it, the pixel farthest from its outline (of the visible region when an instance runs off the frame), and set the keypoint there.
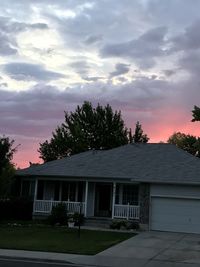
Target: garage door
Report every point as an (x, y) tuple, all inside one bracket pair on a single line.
[(175, 214)]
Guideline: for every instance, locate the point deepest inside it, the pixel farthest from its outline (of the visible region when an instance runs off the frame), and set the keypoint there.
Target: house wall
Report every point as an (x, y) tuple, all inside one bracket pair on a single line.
[(175, 190), (144, 201), (91, 199)]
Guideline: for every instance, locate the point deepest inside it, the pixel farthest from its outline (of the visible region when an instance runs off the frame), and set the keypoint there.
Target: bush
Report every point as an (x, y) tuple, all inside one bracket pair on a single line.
[(118, 224), (133, 225), (77, 217), (58, 215), (124, 224), (16, 209)]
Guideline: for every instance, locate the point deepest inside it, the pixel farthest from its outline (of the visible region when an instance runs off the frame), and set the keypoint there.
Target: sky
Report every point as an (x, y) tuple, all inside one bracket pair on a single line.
[(142, 57)]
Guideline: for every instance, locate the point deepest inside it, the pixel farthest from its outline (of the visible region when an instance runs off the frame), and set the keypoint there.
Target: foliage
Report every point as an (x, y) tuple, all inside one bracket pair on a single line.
[(84, 129), (118, 224), (133, 225), (187, 142), (7, 169), (16, 209), (7, 180), (124, 224), (138, 136), (58, 215), (6, 152), (196, 114), (78, 217)]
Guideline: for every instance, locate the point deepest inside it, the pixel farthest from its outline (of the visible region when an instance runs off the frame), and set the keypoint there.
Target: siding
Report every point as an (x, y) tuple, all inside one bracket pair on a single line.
[(176, 190)]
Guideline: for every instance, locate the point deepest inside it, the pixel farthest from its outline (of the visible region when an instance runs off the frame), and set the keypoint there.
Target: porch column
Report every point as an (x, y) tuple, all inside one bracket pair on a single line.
[(76, 194), (35, 193), (113, 200), (36, 189), (60, 191), (86, 197)]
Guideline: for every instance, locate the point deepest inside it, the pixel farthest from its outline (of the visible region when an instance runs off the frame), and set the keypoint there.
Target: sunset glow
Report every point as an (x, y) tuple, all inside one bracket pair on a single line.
[(141, 57)]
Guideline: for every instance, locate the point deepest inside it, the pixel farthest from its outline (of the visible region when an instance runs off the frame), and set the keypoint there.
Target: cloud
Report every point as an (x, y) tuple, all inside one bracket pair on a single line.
[(81, 67), (8, 31), (169, 73), (27, 72), (6, 47), (143, 50), (92, 79), (7, 25), (93, 39), (189, 39), (120, 68)]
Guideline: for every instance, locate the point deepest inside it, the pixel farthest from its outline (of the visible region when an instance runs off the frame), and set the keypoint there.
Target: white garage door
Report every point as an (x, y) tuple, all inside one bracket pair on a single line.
[(175, 214)]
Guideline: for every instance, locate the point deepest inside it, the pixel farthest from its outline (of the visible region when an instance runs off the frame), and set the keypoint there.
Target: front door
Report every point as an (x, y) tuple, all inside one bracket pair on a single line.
[(103, 200)]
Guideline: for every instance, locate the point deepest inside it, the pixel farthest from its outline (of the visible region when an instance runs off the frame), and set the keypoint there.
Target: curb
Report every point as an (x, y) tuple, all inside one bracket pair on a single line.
[(44, 261)]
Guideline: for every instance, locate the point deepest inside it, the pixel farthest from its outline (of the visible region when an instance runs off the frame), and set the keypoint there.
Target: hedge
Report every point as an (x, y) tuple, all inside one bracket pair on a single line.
[(16, 209)]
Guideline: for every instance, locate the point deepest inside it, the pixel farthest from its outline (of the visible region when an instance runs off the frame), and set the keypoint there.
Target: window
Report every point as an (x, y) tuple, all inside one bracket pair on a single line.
[(69, 191), (40, 190), (130, 194), (28, 188)]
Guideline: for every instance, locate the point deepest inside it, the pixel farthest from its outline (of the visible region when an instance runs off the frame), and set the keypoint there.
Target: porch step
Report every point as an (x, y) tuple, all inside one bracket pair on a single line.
[(98, 222)]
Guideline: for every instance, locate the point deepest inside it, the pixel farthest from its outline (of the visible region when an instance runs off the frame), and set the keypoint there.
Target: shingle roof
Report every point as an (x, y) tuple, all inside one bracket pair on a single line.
[(163, 163)]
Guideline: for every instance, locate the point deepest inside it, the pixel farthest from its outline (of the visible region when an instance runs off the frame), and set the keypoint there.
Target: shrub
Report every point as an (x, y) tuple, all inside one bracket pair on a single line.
[(133, 225), (16, 209), (77, 216), (58, 215), (118, 224)]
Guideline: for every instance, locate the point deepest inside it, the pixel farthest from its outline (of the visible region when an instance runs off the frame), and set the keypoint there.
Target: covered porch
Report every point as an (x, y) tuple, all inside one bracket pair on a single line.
[(92, 198)]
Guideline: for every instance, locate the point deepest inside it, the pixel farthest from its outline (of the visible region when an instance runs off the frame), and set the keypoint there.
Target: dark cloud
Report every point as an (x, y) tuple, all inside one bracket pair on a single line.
[(7, 25), (93, 39), (36, 112), (120, 68), (191, 62), (169, 73), (6, 46), (81, 67), (189, 39), (92, 79), (27, 72), (142, 50)]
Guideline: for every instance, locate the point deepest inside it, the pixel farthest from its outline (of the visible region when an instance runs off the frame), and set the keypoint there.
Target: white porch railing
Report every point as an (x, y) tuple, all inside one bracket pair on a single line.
[(45, 206), (126, 211)]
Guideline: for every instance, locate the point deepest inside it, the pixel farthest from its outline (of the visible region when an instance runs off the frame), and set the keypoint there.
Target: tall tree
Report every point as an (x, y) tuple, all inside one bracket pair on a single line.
[(139, 136), (187, 142), (6, 166), (84, 129), (6, 152), (196, 114)]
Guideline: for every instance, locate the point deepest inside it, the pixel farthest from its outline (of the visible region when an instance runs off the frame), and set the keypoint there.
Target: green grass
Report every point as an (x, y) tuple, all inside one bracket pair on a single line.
[(58, 239)]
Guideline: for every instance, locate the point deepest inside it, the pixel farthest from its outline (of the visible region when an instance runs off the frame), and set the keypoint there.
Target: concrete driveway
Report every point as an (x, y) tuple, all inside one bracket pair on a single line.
[(152, 249)]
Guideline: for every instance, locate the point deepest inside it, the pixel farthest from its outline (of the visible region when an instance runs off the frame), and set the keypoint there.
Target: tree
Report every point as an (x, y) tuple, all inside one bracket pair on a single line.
[(84, 129), (138, 136), (187, 142), (196, 114), (6, 152), (6, 166)]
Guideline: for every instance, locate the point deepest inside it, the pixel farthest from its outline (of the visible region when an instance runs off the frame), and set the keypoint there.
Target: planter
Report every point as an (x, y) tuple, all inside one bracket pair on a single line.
[(71, 224)]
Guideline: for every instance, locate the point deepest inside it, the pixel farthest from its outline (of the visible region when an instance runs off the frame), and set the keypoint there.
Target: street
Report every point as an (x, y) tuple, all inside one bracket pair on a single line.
[(6, 262)]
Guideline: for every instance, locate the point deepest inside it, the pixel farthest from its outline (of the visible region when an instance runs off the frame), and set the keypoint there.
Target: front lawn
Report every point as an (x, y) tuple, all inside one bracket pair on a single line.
[(58, 239)]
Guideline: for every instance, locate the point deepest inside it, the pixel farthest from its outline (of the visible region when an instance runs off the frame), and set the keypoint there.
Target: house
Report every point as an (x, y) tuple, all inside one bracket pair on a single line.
[(156, 184)]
